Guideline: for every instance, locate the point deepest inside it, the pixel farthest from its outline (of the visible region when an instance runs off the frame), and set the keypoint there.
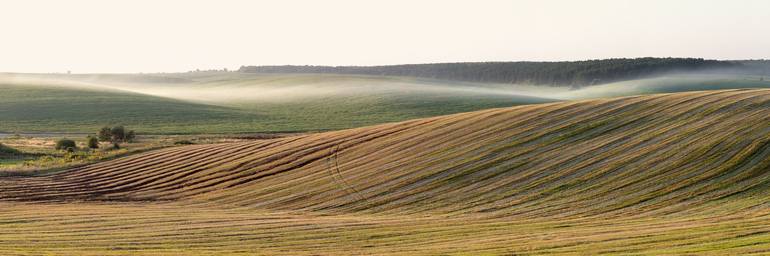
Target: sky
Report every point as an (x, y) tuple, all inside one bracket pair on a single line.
[(103, 36)]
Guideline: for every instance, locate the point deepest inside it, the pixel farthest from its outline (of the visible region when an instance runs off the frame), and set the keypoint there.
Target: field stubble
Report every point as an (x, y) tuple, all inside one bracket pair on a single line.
[(681, 173)]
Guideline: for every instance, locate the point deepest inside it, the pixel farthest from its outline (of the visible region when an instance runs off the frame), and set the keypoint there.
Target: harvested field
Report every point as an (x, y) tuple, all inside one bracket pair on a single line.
[(680, 173)]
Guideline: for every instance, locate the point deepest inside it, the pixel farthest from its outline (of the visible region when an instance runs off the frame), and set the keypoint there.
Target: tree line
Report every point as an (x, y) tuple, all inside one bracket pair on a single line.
[(562, 73)]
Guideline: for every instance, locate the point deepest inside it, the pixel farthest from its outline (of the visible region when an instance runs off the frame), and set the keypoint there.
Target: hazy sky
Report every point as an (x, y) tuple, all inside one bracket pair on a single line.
[(149, 36)]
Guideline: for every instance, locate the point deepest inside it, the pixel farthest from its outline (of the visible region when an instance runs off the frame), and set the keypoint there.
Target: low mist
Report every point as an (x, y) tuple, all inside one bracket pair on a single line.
[(226, 89), (232, 89)]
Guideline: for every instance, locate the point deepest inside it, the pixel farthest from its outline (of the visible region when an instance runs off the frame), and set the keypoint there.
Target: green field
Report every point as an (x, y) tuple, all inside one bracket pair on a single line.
[(60, 109), (231, 102), (667, 84)]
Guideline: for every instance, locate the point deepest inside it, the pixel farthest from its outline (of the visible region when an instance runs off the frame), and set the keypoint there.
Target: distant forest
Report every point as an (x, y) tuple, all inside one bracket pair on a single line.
[(563, 73)]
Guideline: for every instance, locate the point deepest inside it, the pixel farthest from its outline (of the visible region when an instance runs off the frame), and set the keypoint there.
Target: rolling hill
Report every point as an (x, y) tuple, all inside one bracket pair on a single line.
[(667, 84), (231, 102), (55, 108), (678, 173)]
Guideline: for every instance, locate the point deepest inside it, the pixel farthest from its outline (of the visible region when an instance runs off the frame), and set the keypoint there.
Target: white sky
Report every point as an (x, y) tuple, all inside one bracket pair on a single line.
[(178, 35)]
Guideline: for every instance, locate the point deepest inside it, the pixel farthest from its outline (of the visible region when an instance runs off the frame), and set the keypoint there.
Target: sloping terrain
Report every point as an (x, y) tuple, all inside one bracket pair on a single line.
[(668, 84), (654, 174), (232, 102), (57, 108), (229, 102)]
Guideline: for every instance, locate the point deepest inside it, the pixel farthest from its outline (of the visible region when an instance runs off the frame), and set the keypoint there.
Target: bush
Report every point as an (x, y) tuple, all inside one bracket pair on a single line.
[(105, 134), (118, 133), (115, 134), (6, 150), (64, 144), (93, 142), (130, 136), (184, 142)]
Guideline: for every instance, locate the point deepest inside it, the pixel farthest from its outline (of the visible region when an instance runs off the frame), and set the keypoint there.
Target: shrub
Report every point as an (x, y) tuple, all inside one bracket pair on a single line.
[(93, 142), (118, 133), (105, 134), (6, 150), (184, 142), (64, 144), (130, 136)]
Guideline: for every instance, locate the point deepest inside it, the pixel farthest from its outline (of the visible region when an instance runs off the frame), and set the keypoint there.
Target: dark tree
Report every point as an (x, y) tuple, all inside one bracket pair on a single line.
[(6, 150), (65, 144), (93, 142), (183, 142), (130, 136), (118, 133), (105, 134)]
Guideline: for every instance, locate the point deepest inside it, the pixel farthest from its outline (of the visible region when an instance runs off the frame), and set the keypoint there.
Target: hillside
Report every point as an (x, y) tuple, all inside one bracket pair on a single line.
[(231, 102), (681, 173), (59, 108), (666, 84)]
